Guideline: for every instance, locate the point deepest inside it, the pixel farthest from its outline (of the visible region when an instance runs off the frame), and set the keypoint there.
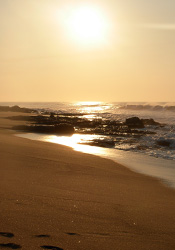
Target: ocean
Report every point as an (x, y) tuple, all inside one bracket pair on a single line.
[(152, 153)]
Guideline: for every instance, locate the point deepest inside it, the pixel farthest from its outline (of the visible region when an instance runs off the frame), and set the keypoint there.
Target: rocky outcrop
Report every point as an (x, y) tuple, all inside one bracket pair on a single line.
[(163, 143), (54, 123), (61, 129), (150, 122), (15, 108), (134, 122), (101, 143)]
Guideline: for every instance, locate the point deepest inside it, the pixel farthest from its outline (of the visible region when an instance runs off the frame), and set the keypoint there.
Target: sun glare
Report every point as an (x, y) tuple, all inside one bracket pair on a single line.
[(76, 142), (87, 25)]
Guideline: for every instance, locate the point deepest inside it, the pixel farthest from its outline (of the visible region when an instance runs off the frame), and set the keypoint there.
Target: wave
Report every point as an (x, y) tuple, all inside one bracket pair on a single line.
[(148, 107)]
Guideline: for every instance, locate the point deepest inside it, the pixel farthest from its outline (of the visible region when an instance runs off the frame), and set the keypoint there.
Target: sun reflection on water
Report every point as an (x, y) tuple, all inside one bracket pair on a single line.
[(92, 107), (91, 117), (88, 103), (75, 141)]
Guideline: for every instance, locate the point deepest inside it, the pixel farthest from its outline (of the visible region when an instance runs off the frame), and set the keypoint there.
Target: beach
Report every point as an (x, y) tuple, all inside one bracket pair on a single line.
[(55, 198)]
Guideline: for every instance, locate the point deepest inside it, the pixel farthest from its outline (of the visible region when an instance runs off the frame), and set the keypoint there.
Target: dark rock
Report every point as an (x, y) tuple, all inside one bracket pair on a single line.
[(142, 147), (61, 129), (21, 118), (101, 143), (134, 122), (52, 115), (150, 122), (64, 129), (163, 143), (16, 109)]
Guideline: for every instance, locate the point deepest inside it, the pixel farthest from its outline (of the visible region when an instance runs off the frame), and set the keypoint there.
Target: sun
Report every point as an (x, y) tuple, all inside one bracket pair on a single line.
[(87, 25)]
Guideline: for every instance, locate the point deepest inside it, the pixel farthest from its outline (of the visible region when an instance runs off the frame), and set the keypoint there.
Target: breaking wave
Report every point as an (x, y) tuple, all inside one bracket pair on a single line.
[(151, 107)]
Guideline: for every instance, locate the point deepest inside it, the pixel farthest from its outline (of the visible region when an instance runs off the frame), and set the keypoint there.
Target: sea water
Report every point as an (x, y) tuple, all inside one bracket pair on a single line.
[(142, 155)]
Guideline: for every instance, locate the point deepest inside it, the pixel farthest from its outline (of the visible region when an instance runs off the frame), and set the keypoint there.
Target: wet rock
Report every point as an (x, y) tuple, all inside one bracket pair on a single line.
[(134, 122), (67, 124), (64, 129), (163, 143), (61, 129), (142, 147), (150, 122), (21, 118), (52, 115), (101, 143)]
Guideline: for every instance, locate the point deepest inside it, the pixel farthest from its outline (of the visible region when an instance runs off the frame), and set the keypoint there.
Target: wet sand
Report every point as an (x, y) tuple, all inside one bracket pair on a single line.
[(55, 198)]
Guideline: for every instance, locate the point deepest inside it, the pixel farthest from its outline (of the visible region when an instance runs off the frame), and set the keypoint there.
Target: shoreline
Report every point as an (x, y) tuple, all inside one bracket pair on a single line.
[(79, 201), (135, 132), (151, 166)]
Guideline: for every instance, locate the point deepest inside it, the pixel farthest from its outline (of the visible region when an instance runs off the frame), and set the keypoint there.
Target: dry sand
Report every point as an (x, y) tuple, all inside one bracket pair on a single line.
[(52, 197)]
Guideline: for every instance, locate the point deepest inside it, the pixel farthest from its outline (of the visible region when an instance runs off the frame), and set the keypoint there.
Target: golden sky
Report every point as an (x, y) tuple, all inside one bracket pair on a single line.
[(108, 50)]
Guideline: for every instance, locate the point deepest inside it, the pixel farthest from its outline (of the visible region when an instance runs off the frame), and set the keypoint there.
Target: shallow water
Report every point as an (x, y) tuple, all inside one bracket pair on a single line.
[(156, 167)]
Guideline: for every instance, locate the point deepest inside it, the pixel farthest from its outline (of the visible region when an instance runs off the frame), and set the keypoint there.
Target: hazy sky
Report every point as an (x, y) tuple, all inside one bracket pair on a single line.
[(127, 54)]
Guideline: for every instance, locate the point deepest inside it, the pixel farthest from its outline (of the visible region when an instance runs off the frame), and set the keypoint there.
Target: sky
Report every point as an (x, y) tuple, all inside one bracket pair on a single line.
[(100, 50)]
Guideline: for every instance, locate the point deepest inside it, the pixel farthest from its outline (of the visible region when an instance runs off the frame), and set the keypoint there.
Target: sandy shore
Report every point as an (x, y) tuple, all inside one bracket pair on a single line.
[(52, 197)]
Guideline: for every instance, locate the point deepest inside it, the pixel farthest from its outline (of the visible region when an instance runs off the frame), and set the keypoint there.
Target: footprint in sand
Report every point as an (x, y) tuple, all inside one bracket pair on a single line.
[(15, 246), (52, 247), (5, 234), (73, 234), (42, 236), (10, 245)]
